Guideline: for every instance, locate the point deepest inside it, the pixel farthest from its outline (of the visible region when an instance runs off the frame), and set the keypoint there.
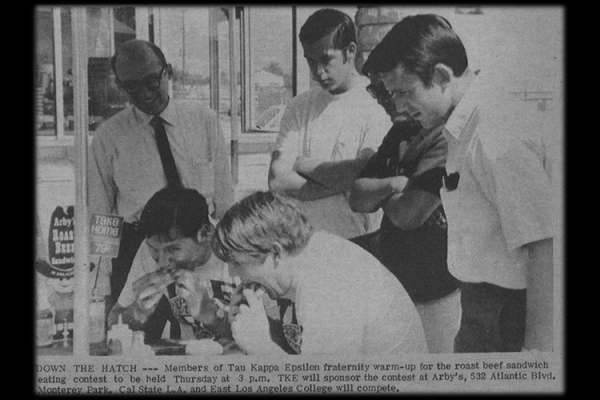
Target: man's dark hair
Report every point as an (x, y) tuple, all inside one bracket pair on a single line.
[(127, 46), (184, 210), (326, 21), (419, 42)]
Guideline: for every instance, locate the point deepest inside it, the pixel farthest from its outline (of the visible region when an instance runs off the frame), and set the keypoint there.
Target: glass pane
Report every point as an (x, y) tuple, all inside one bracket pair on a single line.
[(106, 28), (184, 40), (221, 65), (270, 65), (45, 92), (123, 30), (124, 24)]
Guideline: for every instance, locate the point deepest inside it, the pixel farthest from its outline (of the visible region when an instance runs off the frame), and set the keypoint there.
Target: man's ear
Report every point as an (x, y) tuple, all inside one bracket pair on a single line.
[(277, 253), (204, 233), (350, 51), (169, 71), (442, 75)]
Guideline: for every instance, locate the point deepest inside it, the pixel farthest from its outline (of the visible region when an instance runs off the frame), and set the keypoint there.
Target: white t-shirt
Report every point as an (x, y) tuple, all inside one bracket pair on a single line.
[(346, 302), (216, 271), (333, 127)]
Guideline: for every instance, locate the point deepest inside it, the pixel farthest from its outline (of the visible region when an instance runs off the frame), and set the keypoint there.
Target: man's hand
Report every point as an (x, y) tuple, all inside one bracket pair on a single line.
[(338, 176), (149, 289), (210, 312), (250, 327), (398, 183), (370, 194)]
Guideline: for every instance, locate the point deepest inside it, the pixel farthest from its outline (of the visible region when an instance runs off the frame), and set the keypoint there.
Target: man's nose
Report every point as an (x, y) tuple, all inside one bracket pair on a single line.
[(233, 272), (318, 70), (164, 261), (386, 102), (401, 104)]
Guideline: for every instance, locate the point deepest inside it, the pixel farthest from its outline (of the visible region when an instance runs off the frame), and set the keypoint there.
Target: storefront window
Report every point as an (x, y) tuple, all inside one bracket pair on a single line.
[(183, 35), (195, 40), (271, 86), (107, 28)]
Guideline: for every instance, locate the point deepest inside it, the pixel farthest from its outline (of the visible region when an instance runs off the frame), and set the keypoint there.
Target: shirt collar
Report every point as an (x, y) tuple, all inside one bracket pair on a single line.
[(361, 84), (169, 115), (461, 114)]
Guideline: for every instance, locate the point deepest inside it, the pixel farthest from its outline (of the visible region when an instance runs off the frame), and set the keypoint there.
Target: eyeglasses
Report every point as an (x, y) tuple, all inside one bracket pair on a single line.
[(378, 90), (150, 83)]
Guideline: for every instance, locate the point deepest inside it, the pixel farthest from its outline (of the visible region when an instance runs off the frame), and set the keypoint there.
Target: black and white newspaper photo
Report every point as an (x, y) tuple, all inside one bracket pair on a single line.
[(261, 199)]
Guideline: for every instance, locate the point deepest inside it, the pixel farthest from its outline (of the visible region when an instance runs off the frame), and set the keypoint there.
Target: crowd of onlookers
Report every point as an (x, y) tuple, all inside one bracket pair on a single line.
[(409, 206)]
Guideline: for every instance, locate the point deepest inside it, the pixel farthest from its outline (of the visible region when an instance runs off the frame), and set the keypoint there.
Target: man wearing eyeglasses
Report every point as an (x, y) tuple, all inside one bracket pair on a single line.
[(328, 133), (404, 179), (499, 205), (126, 168)]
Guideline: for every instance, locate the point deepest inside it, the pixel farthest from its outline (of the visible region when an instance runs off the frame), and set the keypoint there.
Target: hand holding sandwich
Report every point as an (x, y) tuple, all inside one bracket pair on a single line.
[(250, 326)]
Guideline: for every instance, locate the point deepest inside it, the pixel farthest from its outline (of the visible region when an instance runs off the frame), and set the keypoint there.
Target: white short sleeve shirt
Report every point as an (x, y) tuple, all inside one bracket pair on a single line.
[(504, 197)]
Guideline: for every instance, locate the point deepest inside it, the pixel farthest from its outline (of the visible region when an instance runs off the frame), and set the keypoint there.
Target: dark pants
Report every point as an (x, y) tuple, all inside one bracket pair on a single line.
[(493, 319), (130, 242)]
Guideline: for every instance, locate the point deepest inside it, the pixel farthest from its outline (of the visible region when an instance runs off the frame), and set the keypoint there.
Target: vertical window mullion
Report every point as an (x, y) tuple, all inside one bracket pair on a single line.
[(111, 29), (213, 43), (58, 73), (233, 94), (245, 50), (294, 53)]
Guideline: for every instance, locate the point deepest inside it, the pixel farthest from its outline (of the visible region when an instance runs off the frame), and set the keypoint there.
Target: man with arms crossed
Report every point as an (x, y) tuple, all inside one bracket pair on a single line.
[(328, 133), (404, 179), (496, 194)]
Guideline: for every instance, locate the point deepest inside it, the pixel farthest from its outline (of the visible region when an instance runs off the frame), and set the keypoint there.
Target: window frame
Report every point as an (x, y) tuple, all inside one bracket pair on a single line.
[(246, 67), (146, 20)]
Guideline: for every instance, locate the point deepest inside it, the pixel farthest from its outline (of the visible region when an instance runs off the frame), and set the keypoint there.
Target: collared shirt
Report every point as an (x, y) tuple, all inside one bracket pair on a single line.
[(126, 170), (340, 127), (504, 197)]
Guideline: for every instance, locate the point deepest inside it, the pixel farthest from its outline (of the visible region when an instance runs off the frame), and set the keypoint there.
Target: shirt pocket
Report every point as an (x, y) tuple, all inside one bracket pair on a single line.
[(135, 173)]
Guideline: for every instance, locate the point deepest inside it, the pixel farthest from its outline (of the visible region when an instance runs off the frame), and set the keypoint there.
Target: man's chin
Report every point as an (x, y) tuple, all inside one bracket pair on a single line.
[(327, 85), (149, 107)]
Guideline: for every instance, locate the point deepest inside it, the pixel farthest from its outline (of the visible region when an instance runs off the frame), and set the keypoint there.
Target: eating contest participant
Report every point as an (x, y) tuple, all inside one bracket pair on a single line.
[(341, 299), (176, 261)]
